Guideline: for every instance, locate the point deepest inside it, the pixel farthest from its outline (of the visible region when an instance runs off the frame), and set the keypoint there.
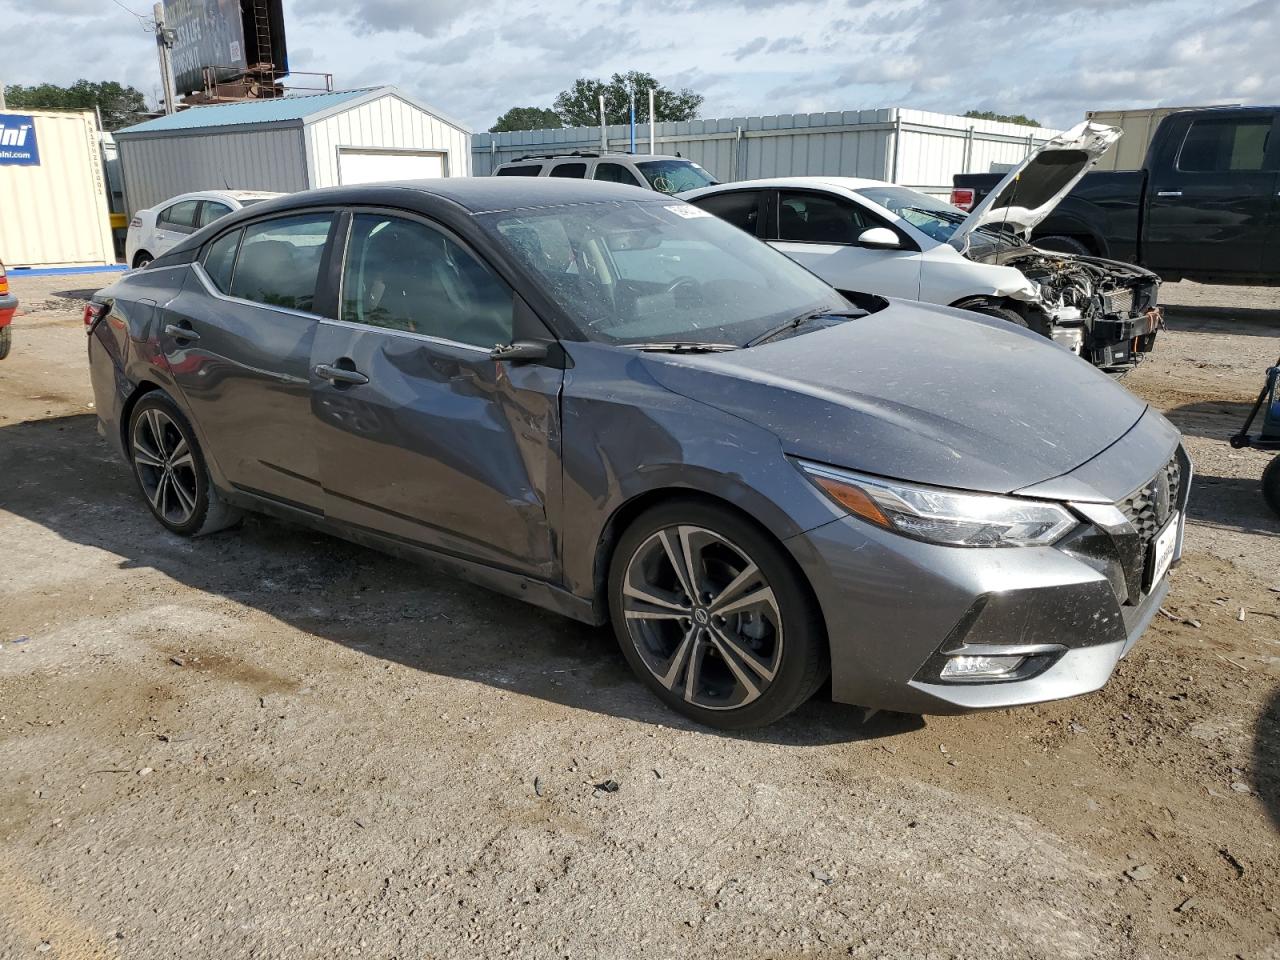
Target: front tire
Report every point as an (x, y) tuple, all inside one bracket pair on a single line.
[(6, 341), (1271, 484), (993, 310), (171, 471), (714, 617)]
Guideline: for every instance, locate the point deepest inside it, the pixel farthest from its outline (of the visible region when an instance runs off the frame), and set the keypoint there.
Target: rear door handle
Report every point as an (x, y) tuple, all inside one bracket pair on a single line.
[(1168, 193), (179, 332), (327, 371)]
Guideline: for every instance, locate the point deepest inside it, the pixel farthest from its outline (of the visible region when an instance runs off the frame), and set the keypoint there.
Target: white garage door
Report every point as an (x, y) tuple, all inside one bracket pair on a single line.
[(371, 166)]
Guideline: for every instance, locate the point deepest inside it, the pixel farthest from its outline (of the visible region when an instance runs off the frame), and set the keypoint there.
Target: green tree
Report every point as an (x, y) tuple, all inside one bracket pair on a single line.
[(526, 118), (1018, 118), (120, 106), (579, 106)]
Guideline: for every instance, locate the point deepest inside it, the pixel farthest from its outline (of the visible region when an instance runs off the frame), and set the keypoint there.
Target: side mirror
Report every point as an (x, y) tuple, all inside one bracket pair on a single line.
[(879, 238), (521, 351)]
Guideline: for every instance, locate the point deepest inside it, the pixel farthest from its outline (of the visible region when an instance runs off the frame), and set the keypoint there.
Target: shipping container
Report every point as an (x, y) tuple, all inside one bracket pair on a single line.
[(290, 144), (912, 147), (1139, 127), (53, 192)]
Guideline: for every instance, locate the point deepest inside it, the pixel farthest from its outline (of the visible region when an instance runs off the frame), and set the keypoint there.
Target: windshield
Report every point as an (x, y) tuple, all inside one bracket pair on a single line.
[(632, 273), (675, 176)]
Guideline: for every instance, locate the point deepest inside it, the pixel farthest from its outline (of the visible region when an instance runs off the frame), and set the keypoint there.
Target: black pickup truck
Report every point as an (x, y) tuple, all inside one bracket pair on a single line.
[(1205, 205)]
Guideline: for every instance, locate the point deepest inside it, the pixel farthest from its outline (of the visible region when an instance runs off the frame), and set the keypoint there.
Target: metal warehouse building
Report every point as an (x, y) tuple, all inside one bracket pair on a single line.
[(291, 144)]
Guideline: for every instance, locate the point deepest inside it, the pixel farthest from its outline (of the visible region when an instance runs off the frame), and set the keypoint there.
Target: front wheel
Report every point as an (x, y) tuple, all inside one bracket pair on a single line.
[(714, 617), (6, 341), (171, 471), (1271, 484), (992, 310)]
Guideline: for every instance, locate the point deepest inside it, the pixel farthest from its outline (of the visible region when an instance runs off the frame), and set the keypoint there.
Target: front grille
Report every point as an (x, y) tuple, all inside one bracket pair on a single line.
[(1150, 507)]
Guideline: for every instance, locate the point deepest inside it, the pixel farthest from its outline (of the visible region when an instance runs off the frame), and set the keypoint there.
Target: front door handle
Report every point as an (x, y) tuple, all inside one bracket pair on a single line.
[(1168, 193), (327, 371), (179, 332)]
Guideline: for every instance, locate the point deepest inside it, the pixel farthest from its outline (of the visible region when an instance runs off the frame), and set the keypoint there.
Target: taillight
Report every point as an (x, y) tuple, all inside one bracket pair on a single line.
[(93, 312), (135, 222), (962, 197), (4, 280)]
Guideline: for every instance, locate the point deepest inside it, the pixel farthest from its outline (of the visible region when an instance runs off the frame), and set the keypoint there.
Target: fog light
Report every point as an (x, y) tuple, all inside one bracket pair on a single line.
[(980, 668)]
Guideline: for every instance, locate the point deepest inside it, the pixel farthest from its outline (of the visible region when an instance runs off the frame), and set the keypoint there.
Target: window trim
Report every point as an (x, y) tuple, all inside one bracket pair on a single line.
[(1270, 161), (323, 285), (340, 262)]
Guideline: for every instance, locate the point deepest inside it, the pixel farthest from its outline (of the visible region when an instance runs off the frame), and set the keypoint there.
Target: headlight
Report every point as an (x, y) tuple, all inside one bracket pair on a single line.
[(943, 516)]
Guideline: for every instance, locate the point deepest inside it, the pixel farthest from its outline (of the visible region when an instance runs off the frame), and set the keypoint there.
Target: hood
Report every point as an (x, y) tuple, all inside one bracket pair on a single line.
[(921, 393), (1032, 189)]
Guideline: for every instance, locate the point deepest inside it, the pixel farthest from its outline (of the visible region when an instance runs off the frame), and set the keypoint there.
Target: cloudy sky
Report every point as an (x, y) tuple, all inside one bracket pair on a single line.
[(1050, 59)]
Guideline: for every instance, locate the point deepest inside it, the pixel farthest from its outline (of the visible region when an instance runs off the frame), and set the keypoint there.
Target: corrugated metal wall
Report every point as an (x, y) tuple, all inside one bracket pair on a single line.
[(387, 123), (54, 214), (852, 143), (163, 165)]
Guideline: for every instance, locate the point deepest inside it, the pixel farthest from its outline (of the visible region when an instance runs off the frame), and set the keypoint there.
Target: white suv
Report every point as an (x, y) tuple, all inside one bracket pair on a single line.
[(665, 174), (153, 232)]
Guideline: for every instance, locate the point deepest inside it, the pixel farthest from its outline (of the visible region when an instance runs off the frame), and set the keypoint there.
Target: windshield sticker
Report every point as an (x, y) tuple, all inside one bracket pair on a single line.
[(687, 210)]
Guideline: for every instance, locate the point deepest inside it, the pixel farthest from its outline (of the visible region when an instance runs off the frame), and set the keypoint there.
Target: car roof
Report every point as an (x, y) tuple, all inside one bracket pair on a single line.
[(843, 183), (474, 194), (236, 195)]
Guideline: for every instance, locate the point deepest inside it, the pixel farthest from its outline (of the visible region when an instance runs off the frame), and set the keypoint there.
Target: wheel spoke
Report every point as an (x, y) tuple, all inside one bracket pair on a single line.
[(672, 676), (694, 672), (159, 499), (727, 652), (180, 455), (144, 455), (185, 499), (730, 650), (677, 563), (644, 596), (156, 423), (654, 614), (749, 575), (754, 599), (692, 565)]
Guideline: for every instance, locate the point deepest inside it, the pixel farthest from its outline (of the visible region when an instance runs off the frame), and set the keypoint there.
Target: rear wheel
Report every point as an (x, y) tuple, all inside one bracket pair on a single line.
[(1062, 245), (714, 617), (141, 259), (6, 341), (1271, 484), (171, 471)]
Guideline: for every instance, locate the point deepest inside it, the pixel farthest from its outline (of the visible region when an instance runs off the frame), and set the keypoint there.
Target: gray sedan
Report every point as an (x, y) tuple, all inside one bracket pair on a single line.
[(616, 406)]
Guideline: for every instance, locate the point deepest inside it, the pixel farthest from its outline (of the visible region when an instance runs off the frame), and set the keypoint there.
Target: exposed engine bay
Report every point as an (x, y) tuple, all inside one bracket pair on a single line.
[(1102, 310)]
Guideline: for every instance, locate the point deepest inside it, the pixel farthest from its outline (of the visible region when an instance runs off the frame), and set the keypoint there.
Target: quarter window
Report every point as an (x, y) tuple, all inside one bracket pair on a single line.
[(181, 217), (739, 207), (615, 173), (575, 170), (815, 218), (404, 275), (279, 262), (1221, 146), (212, 211), (220, 259)]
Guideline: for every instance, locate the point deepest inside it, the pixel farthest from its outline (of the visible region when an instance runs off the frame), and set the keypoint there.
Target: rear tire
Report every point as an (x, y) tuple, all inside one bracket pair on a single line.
[(171, 471), (1062, 245), (745, 645), (141, 259), (1271, 484), (6, 341)]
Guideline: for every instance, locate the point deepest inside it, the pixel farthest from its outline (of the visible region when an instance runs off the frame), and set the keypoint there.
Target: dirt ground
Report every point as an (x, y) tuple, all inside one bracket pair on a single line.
[(269, 743)]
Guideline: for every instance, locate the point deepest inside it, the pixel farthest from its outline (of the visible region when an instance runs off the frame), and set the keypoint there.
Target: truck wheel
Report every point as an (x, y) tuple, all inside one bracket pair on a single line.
[(1061, 245), (1271, 485), (6, 340)]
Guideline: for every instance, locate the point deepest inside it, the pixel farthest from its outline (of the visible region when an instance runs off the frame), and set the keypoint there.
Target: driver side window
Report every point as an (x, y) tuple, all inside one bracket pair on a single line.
[(404, 275), (818, 218)]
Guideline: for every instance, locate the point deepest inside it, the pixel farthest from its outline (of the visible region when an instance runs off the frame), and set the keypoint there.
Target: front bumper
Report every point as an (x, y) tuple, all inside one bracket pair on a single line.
[(897, 609)]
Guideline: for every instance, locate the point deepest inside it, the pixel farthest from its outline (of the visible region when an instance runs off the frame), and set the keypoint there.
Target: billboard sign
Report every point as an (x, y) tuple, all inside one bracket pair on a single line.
[(210, 33), (18, 145)]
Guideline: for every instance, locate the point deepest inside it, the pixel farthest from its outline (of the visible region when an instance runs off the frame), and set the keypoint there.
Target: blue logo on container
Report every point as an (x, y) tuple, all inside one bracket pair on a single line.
[(18, 140)]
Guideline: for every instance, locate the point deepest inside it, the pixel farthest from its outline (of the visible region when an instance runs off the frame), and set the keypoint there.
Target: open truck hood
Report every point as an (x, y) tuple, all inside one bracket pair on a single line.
[(1032, 189)]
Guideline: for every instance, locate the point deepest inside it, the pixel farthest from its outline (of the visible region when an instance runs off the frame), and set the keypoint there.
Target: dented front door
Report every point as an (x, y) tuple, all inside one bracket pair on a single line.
[(432, 443)]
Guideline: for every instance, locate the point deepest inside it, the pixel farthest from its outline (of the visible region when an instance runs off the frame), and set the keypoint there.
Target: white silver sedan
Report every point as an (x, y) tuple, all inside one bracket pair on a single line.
[(155, 231)]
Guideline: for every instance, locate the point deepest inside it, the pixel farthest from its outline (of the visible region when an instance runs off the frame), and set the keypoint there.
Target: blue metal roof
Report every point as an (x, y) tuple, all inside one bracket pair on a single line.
[(254, 111)]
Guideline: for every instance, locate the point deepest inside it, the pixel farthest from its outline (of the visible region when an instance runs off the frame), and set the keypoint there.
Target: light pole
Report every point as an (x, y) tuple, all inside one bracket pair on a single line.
[(164, 43)]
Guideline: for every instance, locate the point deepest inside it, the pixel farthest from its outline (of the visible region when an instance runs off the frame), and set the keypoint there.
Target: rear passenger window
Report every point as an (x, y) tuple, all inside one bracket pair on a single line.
[(212, 211), (404, 275), (740, 207), (575, 170), (531, 170), (220, 259), (615, 173), (279, 262), (1221, 146)]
